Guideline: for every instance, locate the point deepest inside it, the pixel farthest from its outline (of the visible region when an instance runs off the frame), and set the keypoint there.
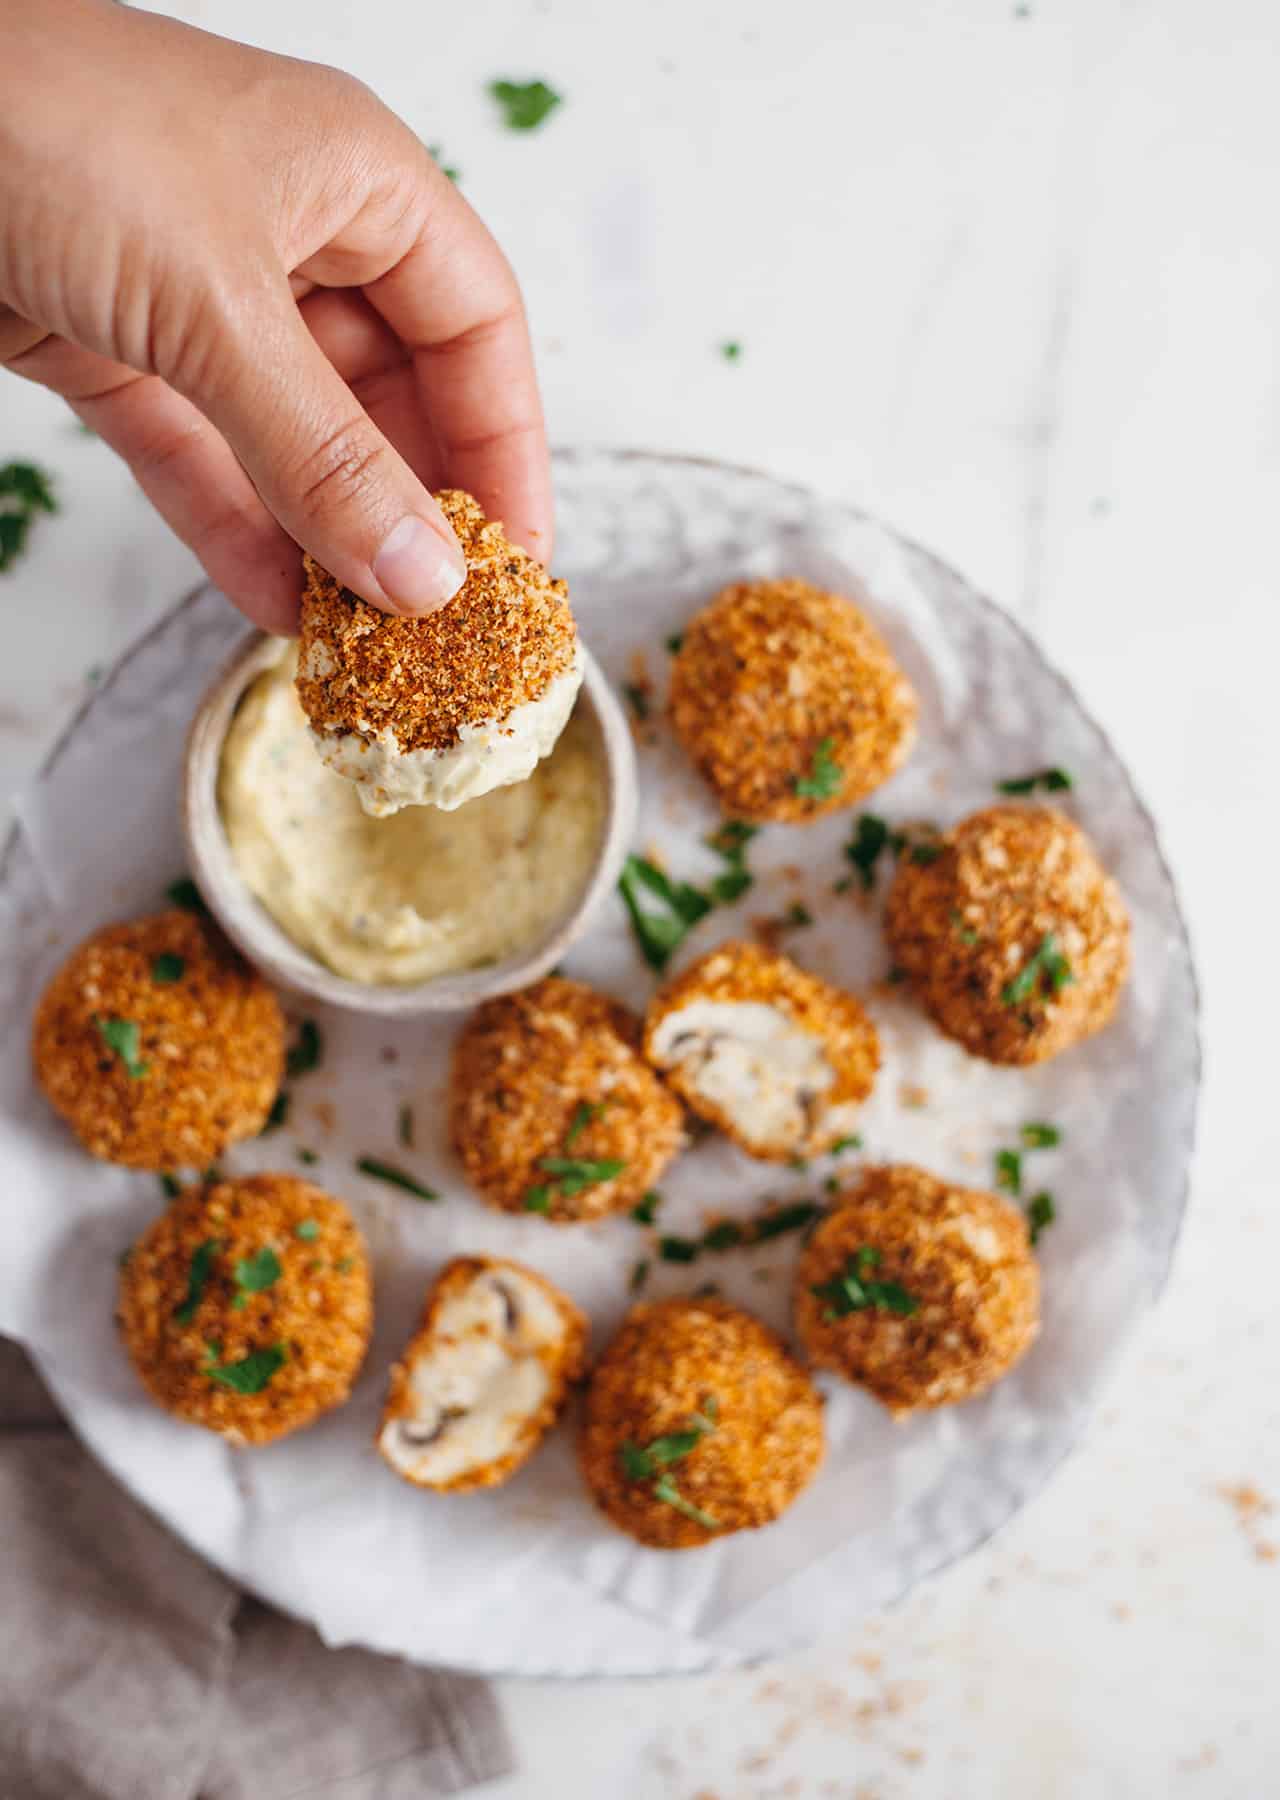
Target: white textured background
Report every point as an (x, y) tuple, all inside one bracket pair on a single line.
[(1010, 276)]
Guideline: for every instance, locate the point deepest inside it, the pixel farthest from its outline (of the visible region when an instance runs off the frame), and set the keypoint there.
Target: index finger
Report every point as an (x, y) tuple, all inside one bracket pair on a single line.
[(454, 302)]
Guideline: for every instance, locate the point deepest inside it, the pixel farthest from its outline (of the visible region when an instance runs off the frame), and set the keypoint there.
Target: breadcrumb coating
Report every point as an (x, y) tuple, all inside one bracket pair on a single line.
[(158, 1044), (740, 973), (184, 1309), (564, 1363), (498, 644), (1014, 938), (776, 681), (961, 1255), (671, 1365), (555, 1072)]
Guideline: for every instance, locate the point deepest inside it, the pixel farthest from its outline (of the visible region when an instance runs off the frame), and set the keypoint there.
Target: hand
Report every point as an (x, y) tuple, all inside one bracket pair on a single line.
[(251, 280)]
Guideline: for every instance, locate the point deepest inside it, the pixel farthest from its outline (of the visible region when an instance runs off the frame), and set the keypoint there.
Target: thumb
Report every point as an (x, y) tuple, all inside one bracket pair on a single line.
[(321, 465)]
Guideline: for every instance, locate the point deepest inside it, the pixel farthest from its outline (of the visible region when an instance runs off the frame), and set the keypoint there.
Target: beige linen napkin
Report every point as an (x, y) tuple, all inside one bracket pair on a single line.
[(130, 1670)]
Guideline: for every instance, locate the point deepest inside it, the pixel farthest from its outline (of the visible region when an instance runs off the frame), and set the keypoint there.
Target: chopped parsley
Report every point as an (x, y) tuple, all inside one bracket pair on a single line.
[(732, 885), (167, 967), (853, 1292), (734, 1234), (584, 1114), (1044, 975), (212, 1173), (255, 1274), (871, 836), (305, 1054), (1038, 1136), (795, 918), (307, 1229), (537, 1199), (730, 841), (202, 1260), (307, 1156), (404, 1126), (648, 1462), (25, 491), (660, 933), (825, 774), (574, 1173), (525, 104), (279, 1112), (1040, 1214), (925, 852), (123, 1039), (643, 1211), (965, 933), (679, 1249), (381, 1171), (1009, 1171), (675, 643), (639, 1275), (637, 699), (731, 351), (1053, 781), (852, 1142), (187, 895), (170, 1186), (436, 152), (251, 1374)]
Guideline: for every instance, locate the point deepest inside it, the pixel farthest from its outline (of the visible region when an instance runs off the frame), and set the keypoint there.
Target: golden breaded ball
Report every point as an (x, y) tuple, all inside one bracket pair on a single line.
[(789, 702), (485, 1377), (552, 1108), (697, 1423), (1013, 936), (379, 689), (158, 1044), (778, 1059), (922, 1292), (246, 1306)]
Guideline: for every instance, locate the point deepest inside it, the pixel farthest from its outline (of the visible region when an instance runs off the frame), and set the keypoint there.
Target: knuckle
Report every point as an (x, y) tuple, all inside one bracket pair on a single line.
[(341, 471)]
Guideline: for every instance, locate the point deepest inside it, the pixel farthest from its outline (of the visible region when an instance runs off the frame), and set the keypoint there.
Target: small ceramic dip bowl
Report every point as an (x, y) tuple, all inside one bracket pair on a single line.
[(248, 924)]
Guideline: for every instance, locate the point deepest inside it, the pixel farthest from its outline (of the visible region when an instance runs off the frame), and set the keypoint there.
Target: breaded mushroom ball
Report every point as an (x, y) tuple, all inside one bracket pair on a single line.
[(158, 1044), (922, 1292), (789, 702), (553, 1110), (1013, 936), (246, 1306), (435, 711), (484, 1379), (778, 1059), (697, 1423)]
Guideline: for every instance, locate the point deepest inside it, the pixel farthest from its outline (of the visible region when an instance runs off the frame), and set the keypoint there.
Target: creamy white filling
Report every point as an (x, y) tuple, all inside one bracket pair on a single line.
[(753, 1063), (494, 754), (475, 1386)]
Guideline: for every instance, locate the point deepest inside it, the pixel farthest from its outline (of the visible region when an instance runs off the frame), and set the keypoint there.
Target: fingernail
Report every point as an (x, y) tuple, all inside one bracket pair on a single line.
[(417, 569)]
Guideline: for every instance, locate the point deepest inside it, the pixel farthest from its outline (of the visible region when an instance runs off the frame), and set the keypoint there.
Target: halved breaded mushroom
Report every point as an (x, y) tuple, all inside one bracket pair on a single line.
[(484, 1379), (923, 1292), (697, 1423), (789, 702), (246, 1306), (553, 1110), (778, 1059), (158, 1044), (435, 711), (1011, 934)]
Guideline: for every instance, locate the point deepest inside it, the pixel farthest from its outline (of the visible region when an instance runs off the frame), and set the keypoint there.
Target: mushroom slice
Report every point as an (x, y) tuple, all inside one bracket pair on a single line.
[(485, 1377)]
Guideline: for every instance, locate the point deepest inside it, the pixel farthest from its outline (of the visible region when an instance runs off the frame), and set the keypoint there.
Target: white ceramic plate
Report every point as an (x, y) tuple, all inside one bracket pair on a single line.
[(528, 1579)]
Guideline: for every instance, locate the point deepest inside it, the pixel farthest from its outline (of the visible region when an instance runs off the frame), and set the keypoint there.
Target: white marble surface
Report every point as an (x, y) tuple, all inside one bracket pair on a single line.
[(1013, 282)]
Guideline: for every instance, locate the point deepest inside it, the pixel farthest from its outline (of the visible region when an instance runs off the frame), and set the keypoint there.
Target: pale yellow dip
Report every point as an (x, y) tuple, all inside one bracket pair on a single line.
[(424, 892)]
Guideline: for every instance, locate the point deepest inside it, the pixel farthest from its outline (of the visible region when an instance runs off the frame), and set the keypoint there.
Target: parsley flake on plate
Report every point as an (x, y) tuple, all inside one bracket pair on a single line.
[(731, 351), (123, 1039), (1038, 1136), (382, 1171), (853, 1291), (1041, 1213), (675, 643), (525, 104), (1053, 781), (639, 1275), (645, 1208), (436, 153), (825, 774), (404, 1126), (871, 837), (637, 699), (1009, 1171), (185, 894), (305, 1054), (25, 491), (279, 1112), (659, 930)]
